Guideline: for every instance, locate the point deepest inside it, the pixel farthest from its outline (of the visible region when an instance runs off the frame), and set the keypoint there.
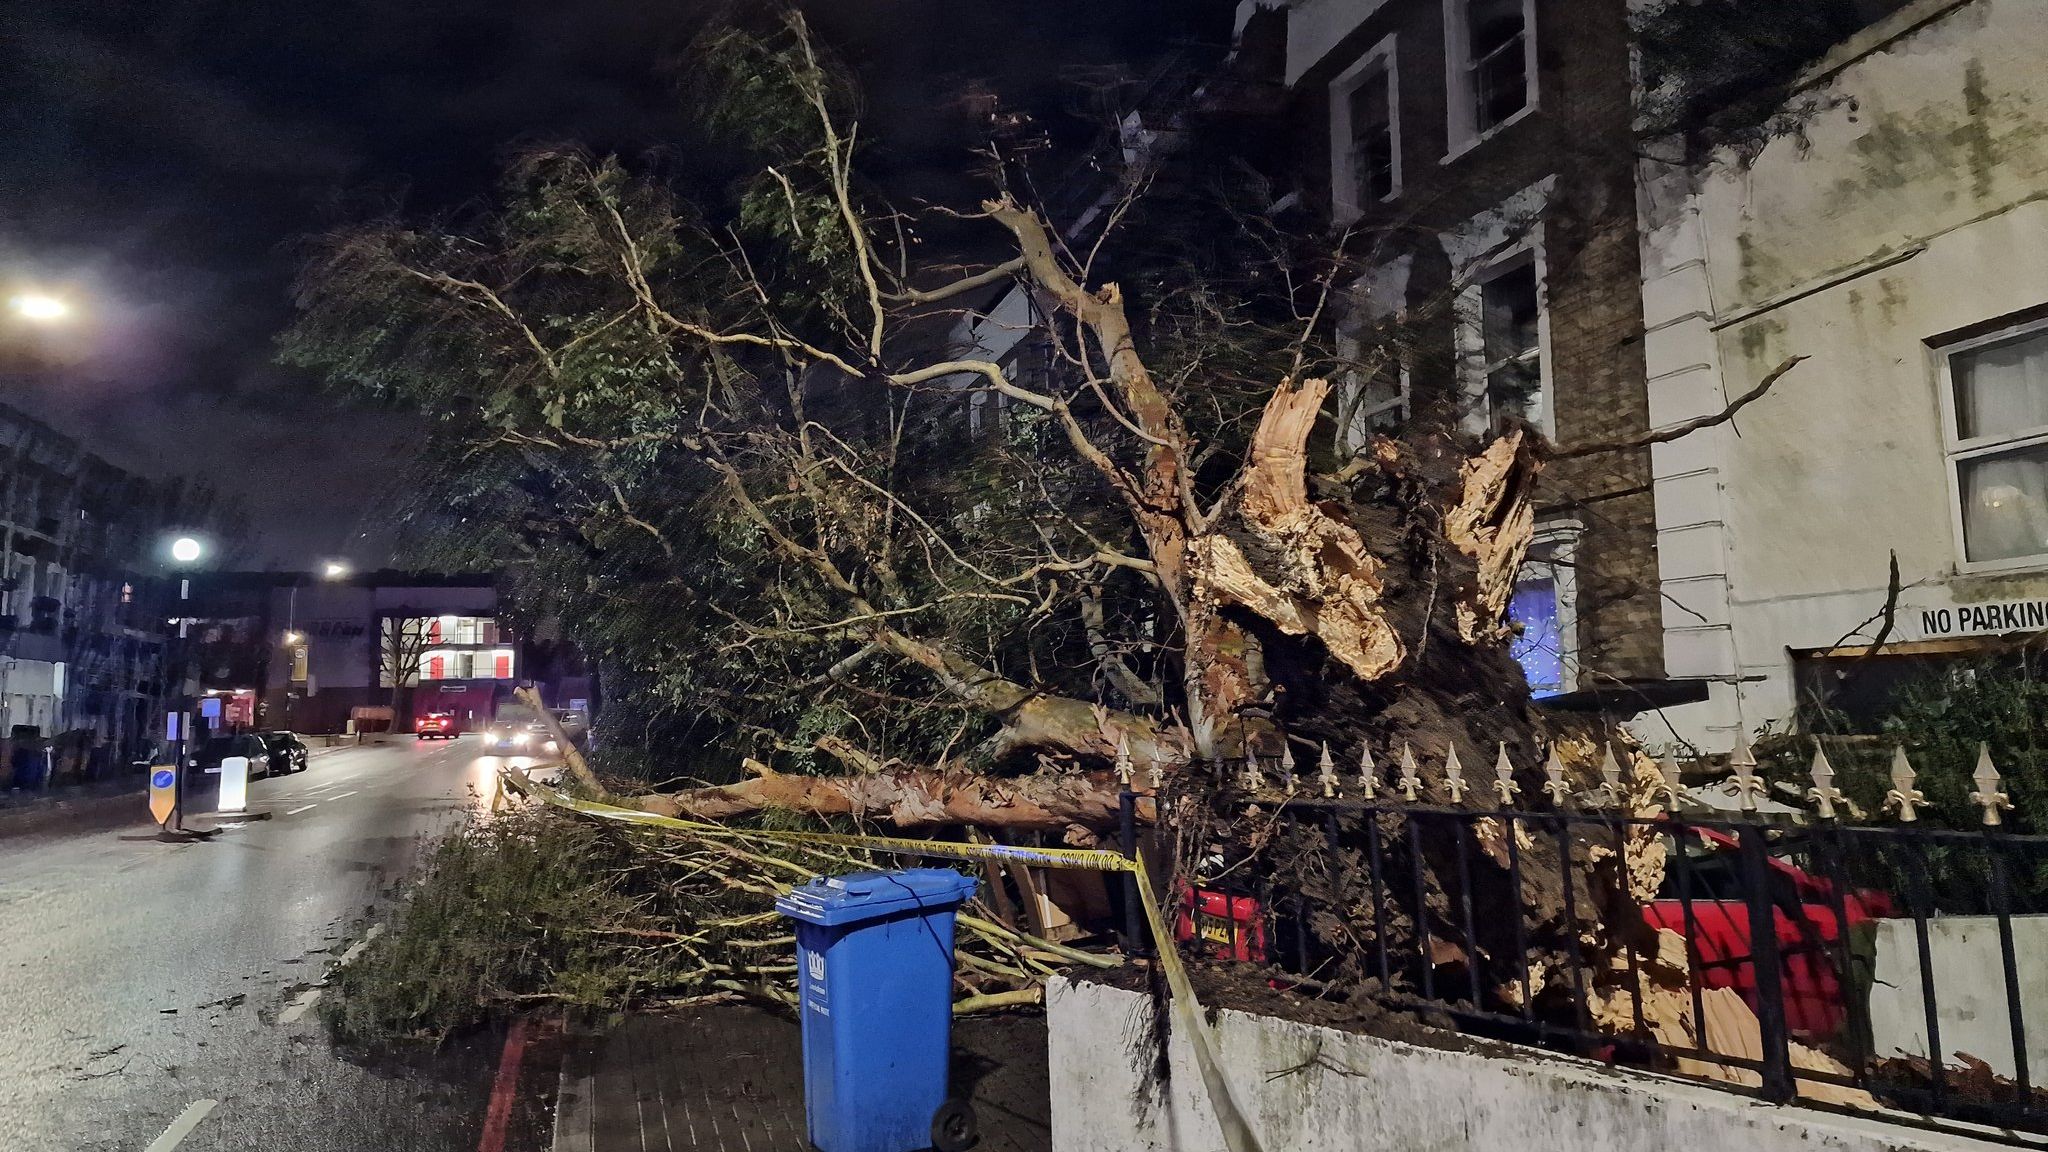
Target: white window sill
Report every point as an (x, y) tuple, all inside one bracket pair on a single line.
[(2014, 566), (1471, 142)]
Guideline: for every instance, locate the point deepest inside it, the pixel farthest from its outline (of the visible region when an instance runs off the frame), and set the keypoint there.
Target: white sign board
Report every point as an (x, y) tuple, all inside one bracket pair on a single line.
[(234, 783), (1989, 619)]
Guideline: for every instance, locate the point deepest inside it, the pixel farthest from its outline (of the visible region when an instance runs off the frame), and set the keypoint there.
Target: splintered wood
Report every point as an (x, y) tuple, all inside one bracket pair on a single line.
[(1319, 578), (1493, 523)]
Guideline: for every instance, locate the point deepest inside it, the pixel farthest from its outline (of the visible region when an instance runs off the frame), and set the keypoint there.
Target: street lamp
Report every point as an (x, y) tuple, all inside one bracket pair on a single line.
[(291, 638), (185, 551), (39, 307), (335, 570)]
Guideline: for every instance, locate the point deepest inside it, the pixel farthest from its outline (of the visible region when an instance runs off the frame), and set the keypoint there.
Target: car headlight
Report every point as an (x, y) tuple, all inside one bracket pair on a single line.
[(520, 738), (553, 747)]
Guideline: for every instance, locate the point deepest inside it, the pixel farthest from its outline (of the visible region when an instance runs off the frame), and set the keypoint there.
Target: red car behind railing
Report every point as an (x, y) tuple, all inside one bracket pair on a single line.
[(1232, 927), (1807, 929)]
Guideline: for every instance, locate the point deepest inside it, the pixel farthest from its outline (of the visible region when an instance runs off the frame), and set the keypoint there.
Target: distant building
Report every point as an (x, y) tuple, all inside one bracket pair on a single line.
[(81, 630), (1897, 242), (295, 650)]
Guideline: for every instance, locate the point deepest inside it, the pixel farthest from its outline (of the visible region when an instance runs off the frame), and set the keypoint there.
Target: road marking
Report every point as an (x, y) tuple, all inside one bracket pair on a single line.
[(498, 1116), (342, 795), (305, 808), (300, 1005), (182, 1126)]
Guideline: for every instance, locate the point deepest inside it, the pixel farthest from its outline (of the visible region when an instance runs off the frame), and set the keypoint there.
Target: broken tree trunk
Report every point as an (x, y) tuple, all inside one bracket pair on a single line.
[(1295, 565), (914, 799)]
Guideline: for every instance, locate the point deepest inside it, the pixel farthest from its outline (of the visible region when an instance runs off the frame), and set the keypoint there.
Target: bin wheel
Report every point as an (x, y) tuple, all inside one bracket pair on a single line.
[(954, 1128)]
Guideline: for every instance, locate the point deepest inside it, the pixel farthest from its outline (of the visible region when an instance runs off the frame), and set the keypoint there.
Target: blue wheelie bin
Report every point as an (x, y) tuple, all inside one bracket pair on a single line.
[(875, 962)]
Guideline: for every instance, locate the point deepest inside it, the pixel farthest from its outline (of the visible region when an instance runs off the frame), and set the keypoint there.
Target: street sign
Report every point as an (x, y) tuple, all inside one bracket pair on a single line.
[(234, 783), (163, 791)]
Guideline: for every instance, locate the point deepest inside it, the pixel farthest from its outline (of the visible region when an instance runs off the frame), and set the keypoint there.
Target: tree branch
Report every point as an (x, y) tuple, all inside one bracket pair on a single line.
[(1680, 431)]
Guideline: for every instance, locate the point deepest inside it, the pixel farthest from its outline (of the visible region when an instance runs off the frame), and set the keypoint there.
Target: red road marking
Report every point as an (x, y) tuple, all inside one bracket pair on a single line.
[(498, 1117)]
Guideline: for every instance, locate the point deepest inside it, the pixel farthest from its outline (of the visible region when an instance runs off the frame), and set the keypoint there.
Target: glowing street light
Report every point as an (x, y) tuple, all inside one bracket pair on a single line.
[(40, 307), (187, 550), (292, 638), (335, 570)]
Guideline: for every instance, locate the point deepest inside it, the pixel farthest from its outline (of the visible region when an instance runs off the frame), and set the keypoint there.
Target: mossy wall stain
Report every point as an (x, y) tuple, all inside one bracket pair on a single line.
[(1891, 300), (1973, 137), (1762, 341)]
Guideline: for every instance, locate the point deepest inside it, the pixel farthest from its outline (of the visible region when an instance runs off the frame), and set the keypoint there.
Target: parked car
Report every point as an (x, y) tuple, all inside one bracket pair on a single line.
[(1803, 911), (287, 752), (208, 754), (437, 726)]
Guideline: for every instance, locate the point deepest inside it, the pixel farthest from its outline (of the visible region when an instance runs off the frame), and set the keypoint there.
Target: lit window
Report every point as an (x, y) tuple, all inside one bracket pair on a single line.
[(1542, 610), (1997, 395), (1538, 649)]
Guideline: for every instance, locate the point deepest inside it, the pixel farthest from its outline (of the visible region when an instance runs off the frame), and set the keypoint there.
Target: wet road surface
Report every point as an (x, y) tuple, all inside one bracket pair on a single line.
[(140, 979)]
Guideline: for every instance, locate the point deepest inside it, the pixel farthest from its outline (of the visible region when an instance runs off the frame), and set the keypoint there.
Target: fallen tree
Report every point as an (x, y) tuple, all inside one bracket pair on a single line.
[(722, 442)]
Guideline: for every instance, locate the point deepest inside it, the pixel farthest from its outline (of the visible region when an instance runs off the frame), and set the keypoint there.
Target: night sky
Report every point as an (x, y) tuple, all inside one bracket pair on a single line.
[(161, 158)]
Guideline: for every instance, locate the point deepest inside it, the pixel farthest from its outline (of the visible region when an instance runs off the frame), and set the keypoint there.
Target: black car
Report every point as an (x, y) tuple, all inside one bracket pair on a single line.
[(206, 757), (288, 753)]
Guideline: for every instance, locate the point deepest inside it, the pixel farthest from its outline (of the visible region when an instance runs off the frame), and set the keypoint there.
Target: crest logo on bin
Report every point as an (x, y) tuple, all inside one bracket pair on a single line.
[(816, 964)]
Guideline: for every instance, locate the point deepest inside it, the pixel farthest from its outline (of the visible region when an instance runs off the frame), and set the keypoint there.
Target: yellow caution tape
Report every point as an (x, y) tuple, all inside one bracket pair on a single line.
[(1237, 1134)]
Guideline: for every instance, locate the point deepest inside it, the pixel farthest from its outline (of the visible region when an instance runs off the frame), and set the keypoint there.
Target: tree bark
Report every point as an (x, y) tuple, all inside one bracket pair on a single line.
[(912, 799)]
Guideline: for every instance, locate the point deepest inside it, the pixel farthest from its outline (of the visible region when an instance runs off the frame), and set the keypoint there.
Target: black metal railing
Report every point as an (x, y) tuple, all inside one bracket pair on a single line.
[(1475, 913)]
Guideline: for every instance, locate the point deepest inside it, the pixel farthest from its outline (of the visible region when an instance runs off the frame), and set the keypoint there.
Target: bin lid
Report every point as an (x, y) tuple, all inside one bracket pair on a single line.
[(859, 896)]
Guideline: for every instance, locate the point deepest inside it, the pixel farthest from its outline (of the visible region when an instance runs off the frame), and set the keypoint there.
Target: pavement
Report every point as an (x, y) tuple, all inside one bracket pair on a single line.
[(163, 997), (729, 1078), (158, 996)]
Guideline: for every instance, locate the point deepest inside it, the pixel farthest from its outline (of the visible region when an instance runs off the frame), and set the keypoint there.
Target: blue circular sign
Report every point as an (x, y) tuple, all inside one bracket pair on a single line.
[(162, 778)]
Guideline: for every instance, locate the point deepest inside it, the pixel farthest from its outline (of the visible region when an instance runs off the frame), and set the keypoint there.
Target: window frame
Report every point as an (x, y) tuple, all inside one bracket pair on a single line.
[(1348, 195), (1461, 105), (1355, 425), (1957, 451), (1360, 315), (1470, 335)]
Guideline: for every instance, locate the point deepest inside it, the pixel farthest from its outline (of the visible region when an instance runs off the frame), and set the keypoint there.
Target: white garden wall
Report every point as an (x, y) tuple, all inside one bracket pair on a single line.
[(1311, 1089)]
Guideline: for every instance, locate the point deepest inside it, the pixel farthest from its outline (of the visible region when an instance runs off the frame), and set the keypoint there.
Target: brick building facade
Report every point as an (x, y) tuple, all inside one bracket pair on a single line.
[(1480, 153)]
